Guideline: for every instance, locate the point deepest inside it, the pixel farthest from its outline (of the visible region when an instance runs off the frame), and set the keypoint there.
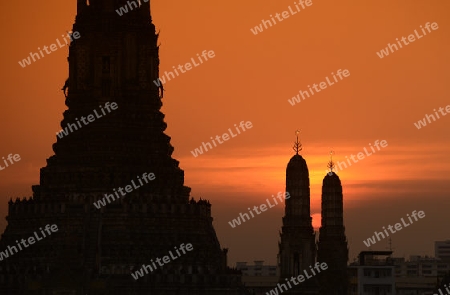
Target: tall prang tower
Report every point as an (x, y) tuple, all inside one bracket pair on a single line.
[(332, 244), (297, 246), (95, 250)]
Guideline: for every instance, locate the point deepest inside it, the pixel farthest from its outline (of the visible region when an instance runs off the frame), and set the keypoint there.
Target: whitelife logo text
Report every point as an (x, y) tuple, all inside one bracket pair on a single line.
[(281, 16), (85, 120), (31, 240), (411, 38), (237, 221), (128, 189), (27, 62), (398, 227), (161, 261), (224, 137)]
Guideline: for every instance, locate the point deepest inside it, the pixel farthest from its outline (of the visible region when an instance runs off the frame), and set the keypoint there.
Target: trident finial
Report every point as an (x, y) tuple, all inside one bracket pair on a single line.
[(331, 163), (297, 145)]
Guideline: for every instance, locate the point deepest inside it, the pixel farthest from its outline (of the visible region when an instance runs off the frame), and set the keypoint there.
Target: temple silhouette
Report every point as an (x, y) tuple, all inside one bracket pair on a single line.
[(299, 248), (104, 237), (95, 250)]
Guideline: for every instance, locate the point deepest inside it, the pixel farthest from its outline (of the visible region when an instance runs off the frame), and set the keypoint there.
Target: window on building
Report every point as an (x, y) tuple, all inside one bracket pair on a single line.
[(106, 65), (411, 273), (106, 87)]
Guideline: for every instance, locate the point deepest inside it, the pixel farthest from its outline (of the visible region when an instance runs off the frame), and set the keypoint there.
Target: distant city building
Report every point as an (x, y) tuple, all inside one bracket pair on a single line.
[(442, 250), (418, 266), (418, 275), (257, 269), (258, 278), (415, 286), (372, 275)]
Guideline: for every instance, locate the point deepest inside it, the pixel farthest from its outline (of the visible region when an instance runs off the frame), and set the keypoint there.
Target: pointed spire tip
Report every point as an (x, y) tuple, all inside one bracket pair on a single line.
[(297, 144)]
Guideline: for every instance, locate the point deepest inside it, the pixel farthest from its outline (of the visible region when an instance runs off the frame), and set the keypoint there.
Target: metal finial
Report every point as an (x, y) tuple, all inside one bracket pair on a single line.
[(297, 145), (331, 163)]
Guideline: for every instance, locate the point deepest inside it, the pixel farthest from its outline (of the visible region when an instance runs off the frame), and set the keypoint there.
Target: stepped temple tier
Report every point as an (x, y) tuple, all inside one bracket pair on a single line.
[(96, 251)]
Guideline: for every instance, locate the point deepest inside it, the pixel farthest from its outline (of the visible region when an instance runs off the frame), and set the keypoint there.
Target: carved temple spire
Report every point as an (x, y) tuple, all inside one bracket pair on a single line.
[(297, 144), (331, 163), (81, 5), (129, 8), (297, 249), (332, 244), (112, 66), (116, 59)]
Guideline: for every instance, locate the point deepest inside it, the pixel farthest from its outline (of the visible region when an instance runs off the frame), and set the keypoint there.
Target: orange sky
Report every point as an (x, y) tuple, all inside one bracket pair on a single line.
[(250, 79)]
